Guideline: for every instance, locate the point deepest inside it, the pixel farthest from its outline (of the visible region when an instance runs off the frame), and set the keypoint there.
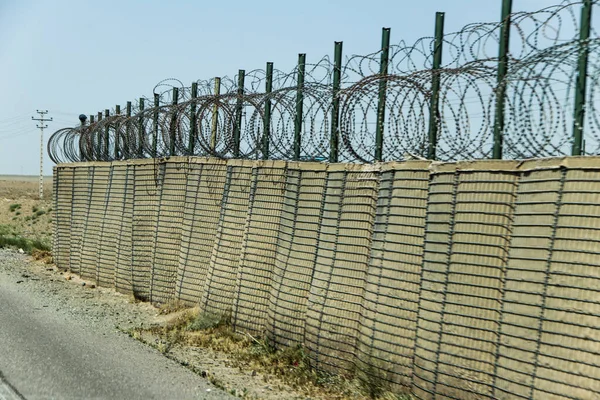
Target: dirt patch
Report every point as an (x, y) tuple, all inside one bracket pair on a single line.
[(22, 213), (24, 187)]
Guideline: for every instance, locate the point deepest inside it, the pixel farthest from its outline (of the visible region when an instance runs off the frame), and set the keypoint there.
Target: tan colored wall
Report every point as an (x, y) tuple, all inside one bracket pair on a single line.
[(457, 280)]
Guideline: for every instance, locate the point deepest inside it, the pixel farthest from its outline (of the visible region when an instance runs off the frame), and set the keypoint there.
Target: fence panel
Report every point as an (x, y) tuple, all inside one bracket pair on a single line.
[(124, 242), (203, 200), (63, 211), (82, 187), (168, 228), (296, 251), (389, 323), (219, 286), (148, 182), (338, 284), (259, 247)]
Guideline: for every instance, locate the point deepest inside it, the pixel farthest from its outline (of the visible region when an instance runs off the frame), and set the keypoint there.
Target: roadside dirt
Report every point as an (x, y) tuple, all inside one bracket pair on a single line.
[(124, 313), (21, 209)]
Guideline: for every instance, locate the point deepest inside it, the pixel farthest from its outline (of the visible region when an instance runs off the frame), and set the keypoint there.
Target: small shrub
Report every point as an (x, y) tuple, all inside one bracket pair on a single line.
[(206, 321), (34, 209), (18, 213), (40, 213), (27, 218), (14, 207)]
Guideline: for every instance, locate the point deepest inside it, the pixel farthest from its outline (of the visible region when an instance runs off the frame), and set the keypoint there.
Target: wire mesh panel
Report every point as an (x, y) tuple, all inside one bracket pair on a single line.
[(82, 185), (99, 185), (526, 279), (167, 238), (441, 204), (568, 353), (296, 249), (550, 336), (106, 248), (63, 210), (479, 238), (338, 284), (124, 243), (259, 246), (220, 282), (147, 181), (202, 207), (389, 322)]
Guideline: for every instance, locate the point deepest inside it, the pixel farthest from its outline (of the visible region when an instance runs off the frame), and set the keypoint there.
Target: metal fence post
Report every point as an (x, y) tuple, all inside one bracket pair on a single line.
[(501, 88), (383, 71), (117, 144), (238, 114), (582, 67), (267, 118), (335, 109), (299, 105), (106, 138), (215, 116), (142, 134), (192, 138), (173, 123), (90, 151), (434, 109), (155, 133), (127, 143)]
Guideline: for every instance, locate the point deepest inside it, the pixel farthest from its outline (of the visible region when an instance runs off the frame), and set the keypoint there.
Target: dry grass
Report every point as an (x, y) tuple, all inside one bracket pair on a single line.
[(191, 328), (25, 221)]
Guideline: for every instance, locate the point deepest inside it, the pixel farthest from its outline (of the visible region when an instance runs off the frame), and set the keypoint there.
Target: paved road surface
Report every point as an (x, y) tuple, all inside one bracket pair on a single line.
[(47, 353)]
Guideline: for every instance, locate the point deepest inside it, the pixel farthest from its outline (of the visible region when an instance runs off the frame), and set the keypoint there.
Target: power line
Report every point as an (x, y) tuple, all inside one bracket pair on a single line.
[(41, 127)]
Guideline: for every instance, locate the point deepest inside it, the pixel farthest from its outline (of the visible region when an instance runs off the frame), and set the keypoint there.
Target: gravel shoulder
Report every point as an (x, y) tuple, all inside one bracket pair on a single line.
[(87, 316), (60, 339)]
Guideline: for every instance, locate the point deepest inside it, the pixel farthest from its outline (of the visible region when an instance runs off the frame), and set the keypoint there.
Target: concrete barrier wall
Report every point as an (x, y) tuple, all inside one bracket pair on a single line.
[(447, 280)]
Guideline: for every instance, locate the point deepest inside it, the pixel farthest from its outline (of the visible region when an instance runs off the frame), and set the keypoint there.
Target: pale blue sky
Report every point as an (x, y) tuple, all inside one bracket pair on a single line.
[(73, 57)]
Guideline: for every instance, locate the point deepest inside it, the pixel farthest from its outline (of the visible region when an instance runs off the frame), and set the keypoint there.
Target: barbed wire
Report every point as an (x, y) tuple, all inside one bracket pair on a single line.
[(540, 91)]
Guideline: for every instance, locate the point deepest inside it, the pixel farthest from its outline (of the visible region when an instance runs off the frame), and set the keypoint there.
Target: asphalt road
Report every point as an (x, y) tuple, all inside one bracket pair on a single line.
[(48, 353)]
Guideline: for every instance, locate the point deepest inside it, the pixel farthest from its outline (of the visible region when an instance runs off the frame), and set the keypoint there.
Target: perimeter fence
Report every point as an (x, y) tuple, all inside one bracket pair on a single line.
[(522, 88), (469, 280)]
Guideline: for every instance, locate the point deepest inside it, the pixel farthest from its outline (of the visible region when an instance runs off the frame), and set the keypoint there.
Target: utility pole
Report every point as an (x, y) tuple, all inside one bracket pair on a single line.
[(41, 127)]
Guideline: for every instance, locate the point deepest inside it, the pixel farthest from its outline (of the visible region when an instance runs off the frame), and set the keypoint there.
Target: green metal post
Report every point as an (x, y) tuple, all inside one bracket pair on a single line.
[(99, 143), (238, 114), (584, 50), (141, 132), (215, 117), (173, 124), (155, 133), (91, 123), (502, 70), (299, 106), (192, 138), (117, 147), (383, 70), (106, 132), (127, 144), (267, 117), (335, 109), (434, 109)]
